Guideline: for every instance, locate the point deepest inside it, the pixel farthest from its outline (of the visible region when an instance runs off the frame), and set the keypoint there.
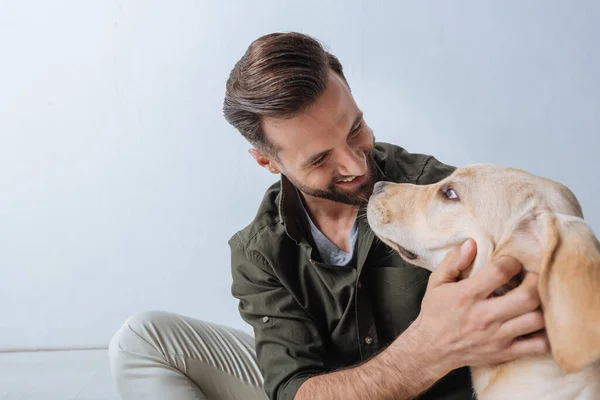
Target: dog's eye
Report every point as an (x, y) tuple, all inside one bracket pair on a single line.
[(450, 193)]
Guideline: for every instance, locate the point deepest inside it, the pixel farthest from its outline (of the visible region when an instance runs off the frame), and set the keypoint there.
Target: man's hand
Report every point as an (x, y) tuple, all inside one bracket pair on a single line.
[(460, 324), (463, 325)]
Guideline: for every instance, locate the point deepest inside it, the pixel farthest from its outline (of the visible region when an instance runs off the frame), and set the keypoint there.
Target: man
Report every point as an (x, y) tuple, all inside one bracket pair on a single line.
[(336, 314)]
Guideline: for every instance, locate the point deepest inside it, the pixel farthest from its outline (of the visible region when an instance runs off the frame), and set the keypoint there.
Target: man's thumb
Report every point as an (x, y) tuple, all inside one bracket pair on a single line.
[(455, 261)]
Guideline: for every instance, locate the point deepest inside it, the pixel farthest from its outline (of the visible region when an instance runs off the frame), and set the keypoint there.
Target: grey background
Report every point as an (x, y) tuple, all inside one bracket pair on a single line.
[(120, 182)]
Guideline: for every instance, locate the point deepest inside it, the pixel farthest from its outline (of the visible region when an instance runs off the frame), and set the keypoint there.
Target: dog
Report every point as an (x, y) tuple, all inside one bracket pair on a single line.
[(538, 221)]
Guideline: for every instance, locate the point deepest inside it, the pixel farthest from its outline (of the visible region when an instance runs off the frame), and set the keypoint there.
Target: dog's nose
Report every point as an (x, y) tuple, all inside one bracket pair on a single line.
[(378, 188)]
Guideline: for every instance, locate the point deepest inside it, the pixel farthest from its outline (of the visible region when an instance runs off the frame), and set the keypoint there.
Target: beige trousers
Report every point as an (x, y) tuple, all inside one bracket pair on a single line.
[(160, 355)]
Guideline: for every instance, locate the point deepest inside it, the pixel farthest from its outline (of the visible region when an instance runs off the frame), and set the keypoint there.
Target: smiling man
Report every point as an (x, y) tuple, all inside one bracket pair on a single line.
[(336, 313)]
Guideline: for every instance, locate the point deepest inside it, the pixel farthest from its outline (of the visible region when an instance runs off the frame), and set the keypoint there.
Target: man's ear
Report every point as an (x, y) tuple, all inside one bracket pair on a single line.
[(264, 161)]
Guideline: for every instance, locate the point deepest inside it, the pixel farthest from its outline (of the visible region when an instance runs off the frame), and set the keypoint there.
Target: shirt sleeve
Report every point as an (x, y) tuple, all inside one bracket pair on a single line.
[(289, 347), (434, 171)]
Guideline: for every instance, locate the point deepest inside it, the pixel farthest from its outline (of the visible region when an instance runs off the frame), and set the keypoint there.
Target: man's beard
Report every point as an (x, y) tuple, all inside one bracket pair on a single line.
[(358, 197)]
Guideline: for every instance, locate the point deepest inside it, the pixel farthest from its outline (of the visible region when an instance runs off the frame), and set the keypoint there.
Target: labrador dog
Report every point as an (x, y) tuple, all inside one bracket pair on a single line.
[(539, 222)]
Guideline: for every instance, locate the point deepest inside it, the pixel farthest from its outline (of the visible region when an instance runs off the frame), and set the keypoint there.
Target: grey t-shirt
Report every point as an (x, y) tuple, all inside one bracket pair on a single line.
[(330, 253)]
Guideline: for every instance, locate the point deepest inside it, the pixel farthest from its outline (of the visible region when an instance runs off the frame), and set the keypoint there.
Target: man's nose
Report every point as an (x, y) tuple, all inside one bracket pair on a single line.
[(353, 164), (379, 186)]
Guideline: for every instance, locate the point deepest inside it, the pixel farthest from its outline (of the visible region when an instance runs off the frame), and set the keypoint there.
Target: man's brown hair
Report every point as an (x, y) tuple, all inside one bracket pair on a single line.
[(280, 75)]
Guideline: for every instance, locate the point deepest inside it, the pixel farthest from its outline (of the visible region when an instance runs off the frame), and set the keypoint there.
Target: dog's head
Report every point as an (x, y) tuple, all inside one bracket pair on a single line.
[(507, 212)]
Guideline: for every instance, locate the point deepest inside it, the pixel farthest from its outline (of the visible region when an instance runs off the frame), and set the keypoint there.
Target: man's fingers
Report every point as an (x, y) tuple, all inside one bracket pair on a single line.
[(536, 344), (494, 275), (523, 325), (455, 261), (519, 301)]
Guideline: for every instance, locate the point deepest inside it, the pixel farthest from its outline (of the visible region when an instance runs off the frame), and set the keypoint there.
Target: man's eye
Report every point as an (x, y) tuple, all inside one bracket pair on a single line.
[(356, 130), (319, 161), (450, 193)]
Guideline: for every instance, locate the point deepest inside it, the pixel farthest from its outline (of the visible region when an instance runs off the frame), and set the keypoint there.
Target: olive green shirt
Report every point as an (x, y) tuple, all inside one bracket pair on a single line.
[(310, 317)]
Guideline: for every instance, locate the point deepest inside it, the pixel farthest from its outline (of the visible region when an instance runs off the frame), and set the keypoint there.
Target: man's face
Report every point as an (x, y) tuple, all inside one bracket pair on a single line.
[(327, 150)]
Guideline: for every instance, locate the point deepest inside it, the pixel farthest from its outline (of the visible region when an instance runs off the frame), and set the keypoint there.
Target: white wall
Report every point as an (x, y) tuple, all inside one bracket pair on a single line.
[(120, 182)]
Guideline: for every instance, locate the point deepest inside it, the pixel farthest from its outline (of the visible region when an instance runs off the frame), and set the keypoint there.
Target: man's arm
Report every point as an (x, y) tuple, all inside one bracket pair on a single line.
[(459, 325), (402, 371), (290, 347)]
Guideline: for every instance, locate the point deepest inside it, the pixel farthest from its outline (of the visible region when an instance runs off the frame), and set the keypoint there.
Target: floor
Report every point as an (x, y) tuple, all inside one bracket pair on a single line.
[(56, 375)]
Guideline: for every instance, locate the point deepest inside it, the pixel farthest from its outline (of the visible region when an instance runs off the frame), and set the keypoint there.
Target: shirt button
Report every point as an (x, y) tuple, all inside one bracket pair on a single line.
[(368, 340), (265, 320)]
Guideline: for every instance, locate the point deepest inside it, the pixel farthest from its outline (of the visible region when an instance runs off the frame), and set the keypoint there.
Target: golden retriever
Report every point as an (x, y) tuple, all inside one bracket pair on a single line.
[(539, 222)]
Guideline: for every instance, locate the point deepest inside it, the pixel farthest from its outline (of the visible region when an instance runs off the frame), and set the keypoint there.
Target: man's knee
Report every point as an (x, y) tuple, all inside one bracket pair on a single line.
[(140, 332)]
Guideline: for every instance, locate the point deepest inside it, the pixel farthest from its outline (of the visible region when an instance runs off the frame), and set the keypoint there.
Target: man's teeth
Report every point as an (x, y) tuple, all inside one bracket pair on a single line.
[(349, 179)]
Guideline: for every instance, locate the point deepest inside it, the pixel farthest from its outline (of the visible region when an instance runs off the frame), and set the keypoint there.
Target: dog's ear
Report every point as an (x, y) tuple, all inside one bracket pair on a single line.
[(569, 287)]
